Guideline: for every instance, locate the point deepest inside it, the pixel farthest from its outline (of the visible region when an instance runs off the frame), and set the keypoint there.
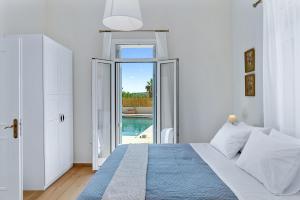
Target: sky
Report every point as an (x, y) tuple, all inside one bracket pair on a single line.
[(136, 75)]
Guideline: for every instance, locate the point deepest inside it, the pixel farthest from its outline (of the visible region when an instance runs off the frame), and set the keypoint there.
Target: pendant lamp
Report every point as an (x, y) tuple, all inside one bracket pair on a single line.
[(123, 15)]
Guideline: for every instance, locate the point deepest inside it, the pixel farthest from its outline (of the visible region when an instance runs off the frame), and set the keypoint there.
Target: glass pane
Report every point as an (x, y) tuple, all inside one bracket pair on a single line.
[(167, 102), (135, 51), (103, 109)]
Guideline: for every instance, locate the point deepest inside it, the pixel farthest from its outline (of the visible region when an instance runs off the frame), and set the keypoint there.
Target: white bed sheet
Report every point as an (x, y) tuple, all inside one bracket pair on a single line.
[(244, 186)]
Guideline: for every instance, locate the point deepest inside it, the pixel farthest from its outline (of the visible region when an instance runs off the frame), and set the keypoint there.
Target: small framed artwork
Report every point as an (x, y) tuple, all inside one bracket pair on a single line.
[(250, 85), (250, 61)]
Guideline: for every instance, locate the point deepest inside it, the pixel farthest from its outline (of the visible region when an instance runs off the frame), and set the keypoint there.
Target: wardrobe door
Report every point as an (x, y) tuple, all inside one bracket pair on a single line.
[(52, 163), (66, 109), (65, 144), (51, 110), (51, 67), (66, 71), (66, 132)]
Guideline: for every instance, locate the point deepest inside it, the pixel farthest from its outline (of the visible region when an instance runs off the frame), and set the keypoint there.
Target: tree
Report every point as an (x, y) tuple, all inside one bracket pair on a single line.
[(149, 87)]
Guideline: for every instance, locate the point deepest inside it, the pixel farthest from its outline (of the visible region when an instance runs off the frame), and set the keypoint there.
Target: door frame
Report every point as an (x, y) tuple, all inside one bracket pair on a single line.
[(156, 80), (118, 91)]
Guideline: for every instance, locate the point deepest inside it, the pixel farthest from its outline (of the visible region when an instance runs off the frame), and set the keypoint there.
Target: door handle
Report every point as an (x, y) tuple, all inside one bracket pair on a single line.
[(15, 127)]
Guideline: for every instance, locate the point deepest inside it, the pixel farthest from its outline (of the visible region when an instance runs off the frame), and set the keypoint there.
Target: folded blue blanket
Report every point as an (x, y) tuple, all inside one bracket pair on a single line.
[(174, 172)]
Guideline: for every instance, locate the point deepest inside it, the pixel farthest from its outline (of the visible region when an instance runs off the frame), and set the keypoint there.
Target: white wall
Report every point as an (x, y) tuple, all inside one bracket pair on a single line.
[(247, 33), (75, 23), (1, 17), (200, 36), (22, 16)]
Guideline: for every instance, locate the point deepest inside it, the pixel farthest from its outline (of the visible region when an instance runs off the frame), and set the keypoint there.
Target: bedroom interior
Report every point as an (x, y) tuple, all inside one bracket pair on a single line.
[(138, 99)]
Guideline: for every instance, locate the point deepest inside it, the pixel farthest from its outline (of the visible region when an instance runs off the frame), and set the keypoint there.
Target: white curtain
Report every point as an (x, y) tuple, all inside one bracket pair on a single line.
[(162, 45), (106, 46), (282, 65)]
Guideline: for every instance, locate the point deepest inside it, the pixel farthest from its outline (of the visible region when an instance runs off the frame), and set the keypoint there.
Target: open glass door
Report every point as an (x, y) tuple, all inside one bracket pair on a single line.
[(119, 106), (167, 102), (103, 109)]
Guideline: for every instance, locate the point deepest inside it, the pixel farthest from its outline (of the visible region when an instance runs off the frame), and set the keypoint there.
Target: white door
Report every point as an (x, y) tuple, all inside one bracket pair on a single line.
[(167, 101), (103, 107), (65, 135), (51, 109), (10, 141)]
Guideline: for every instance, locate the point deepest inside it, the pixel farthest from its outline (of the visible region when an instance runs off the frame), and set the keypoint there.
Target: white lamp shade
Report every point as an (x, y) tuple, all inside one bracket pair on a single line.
[(232, 118), (123, 15)]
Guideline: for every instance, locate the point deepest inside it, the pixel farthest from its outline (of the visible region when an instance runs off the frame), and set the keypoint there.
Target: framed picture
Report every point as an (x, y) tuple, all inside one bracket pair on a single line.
[(250, 85), (250, 61)]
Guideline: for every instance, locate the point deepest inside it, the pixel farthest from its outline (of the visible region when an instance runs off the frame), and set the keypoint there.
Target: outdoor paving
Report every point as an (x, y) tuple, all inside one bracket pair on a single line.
[(148, 137)]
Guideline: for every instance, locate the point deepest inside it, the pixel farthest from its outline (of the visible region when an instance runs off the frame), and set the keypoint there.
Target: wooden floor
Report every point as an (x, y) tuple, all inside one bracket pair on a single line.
[(68, 187)]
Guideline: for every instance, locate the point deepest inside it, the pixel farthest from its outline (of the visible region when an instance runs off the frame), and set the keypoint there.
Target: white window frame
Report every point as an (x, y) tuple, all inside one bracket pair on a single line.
[(116, 42)]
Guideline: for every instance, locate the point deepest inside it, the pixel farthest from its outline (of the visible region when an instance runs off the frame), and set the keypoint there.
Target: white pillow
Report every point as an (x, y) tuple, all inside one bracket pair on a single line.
[(284, 137), (256, 128), (272, 162), (295, 185), (230, 139)]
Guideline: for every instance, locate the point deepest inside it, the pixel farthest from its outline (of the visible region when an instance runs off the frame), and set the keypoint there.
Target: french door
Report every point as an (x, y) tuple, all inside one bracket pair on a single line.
[(103, 110), (107, 104), (10, 113), (167, 101)]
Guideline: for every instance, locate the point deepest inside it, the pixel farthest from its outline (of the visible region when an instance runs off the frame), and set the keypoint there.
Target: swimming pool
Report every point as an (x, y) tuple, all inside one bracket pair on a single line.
[(133, 126)]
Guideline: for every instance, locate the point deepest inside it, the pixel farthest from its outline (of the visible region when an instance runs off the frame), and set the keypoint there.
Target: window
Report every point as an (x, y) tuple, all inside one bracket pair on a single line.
[(128, 51)]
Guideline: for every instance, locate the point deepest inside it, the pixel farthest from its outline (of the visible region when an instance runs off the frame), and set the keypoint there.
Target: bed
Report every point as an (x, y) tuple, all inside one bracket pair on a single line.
[(173, 172)]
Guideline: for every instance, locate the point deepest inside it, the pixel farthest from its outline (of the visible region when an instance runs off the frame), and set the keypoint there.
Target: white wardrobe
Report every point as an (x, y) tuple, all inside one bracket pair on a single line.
[(47, 111)]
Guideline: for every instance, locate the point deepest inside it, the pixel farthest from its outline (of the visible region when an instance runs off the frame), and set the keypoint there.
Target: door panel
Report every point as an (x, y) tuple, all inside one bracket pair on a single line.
[(103, 119), (66, 104), (119, 106), (10, 147), (51, 66), (65, 144), (51, 107), (66, 72), (167, 101), (52, 153)]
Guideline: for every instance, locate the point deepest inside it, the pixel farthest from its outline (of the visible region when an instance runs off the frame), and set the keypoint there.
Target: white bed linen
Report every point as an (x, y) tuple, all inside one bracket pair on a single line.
[(244, 186)]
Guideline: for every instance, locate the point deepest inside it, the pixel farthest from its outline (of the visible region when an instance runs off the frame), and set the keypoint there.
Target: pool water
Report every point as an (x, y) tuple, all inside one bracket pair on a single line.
[(133, 126)]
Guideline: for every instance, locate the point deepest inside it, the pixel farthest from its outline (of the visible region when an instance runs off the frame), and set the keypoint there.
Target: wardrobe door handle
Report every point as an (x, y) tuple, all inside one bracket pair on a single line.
[(60, 118), (63, 117)]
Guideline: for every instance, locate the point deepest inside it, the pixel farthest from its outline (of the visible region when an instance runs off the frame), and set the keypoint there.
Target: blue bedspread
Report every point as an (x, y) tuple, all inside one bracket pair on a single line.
[(175, 172)]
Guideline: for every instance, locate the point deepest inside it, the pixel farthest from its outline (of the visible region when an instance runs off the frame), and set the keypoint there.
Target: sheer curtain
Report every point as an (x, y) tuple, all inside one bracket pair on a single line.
[(106, 46), (282, 65), (162, 45)]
